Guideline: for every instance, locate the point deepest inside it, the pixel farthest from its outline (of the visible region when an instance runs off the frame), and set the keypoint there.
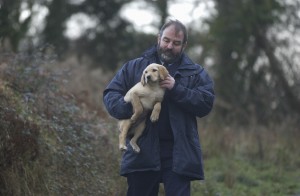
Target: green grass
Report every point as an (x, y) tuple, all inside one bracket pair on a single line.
[(250, 165), (226, 176)]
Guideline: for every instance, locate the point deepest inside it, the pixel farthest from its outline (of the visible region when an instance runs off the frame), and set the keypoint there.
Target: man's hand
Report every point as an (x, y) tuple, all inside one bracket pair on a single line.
[(168, 83)]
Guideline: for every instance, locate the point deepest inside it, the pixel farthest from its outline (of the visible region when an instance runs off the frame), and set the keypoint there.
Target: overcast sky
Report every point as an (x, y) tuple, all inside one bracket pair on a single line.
[(142, 16)]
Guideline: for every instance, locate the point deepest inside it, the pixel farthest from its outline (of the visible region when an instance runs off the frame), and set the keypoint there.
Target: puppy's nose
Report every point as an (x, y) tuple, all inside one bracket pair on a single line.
[(148, 77)]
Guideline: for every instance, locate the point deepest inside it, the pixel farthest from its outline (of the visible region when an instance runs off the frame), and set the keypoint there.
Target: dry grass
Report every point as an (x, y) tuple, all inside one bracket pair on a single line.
[(251, 160), (52, 142)]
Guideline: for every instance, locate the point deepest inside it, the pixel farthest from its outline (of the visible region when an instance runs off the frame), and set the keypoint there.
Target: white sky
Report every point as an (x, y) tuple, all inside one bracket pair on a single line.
[(143, 16)]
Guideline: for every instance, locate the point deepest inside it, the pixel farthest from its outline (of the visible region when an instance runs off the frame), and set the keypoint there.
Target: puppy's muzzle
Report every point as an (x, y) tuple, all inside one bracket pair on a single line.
[(146, 78)]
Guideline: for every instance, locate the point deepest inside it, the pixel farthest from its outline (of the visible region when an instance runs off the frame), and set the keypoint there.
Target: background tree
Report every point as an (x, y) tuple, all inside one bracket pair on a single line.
[(162, 9), (12, 29), (251, 64), (247, 71), (53, 33), (101, 42)]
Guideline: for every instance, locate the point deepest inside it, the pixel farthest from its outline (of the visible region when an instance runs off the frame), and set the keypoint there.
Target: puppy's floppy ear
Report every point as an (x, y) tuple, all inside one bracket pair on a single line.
[(163, 72), (143, 79)]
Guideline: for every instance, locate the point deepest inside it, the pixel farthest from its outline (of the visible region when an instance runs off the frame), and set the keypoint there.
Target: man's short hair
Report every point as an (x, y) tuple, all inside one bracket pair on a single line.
[(178, 27)]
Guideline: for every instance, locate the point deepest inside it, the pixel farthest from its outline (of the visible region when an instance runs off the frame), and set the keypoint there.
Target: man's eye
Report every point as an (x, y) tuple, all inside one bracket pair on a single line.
[(177, 43)]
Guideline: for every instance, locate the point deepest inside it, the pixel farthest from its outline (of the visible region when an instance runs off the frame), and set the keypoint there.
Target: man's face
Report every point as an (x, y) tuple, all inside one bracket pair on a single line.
[(170, 44)]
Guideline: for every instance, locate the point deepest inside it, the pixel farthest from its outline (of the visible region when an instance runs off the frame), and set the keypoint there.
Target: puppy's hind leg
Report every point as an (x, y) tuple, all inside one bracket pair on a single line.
[(124, 126), (138, 132)]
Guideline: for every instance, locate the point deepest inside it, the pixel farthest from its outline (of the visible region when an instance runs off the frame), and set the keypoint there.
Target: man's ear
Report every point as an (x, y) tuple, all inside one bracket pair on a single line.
[(184, 46)]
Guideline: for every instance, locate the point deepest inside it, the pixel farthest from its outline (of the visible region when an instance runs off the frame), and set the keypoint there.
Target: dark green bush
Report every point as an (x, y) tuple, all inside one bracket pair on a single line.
[(47, 146)]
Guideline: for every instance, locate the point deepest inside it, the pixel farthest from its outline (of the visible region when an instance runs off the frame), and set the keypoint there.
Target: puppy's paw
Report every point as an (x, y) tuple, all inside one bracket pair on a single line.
[(154, 117), (122, 148), (135, 147)]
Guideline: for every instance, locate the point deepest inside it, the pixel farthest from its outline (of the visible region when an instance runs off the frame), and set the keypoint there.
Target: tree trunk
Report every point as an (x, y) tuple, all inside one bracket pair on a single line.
[(269, 50)]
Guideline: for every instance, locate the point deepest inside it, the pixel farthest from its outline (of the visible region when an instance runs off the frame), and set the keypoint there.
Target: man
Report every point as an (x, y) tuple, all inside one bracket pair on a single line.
[(170, 148)]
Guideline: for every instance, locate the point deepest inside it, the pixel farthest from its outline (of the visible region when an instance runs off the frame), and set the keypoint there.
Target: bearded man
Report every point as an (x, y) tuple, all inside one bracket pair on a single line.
[(170, 148)]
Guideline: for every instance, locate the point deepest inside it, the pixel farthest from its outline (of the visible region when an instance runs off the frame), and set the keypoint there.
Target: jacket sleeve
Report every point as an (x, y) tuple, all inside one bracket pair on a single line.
[(113, 96), (197, 100)]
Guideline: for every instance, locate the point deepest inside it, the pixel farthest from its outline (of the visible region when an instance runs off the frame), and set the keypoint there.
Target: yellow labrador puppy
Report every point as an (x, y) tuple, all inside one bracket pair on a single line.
[(145, 96)]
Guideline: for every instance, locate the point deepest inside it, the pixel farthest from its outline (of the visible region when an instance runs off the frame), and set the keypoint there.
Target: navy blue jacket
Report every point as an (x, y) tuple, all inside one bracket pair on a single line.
[(192, 96)]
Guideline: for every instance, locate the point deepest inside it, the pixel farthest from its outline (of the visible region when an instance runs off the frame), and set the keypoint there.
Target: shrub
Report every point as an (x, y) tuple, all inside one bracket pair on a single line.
[(47, 146)]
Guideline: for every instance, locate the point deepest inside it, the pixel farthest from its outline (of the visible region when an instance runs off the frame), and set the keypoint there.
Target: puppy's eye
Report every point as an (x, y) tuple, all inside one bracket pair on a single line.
[(146, 71), (154, 70)]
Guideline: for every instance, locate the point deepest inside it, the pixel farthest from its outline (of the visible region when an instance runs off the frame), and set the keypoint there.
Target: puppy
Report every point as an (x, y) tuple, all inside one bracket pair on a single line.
[(145, 96)]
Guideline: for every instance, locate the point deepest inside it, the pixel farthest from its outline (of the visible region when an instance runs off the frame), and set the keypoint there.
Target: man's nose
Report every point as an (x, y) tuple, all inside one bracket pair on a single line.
[(170, 45)]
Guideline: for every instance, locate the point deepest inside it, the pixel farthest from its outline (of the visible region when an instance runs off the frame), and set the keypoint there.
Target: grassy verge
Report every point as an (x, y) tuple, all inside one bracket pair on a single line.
[(248, 161)]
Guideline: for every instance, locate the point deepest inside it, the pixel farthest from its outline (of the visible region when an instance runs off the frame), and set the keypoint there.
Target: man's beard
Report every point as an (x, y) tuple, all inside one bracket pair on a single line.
[(167, 55)]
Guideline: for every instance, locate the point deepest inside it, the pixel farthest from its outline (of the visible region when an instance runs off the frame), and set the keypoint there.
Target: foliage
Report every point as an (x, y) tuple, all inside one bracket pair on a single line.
[(10, 14), (241, 40), (246, 71), (101, 42), (47, 146)]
